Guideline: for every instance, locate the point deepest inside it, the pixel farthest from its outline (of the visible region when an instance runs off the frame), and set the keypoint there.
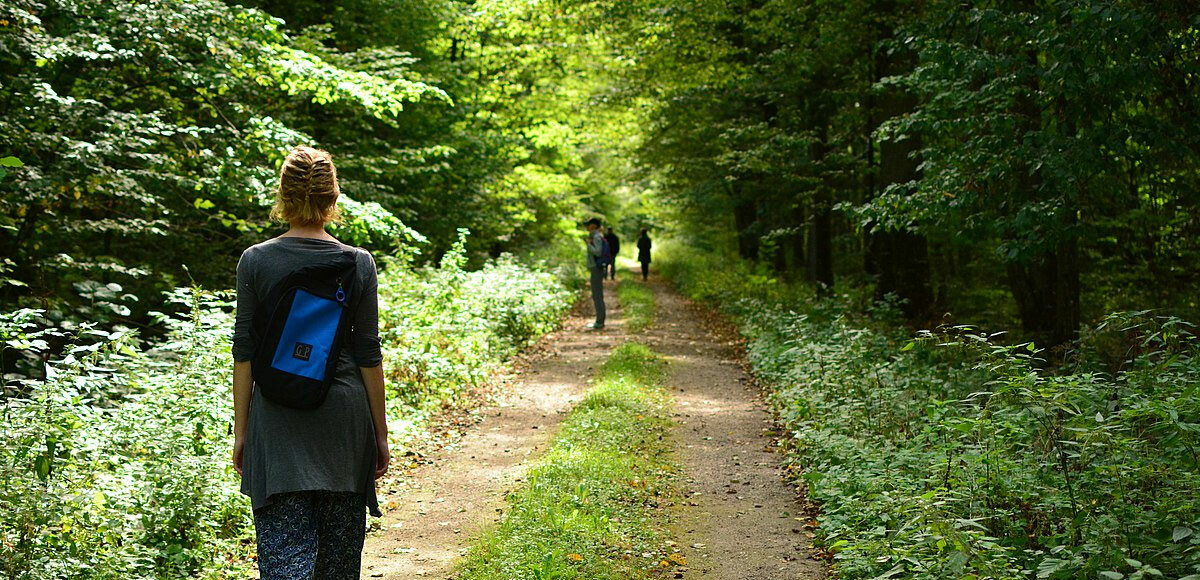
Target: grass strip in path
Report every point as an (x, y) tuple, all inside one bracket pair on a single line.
[(594, 506), (637, 301)]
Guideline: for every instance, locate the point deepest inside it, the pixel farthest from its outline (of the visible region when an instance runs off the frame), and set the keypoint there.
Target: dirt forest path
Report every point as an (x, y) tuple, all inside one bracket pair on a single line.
[(738, 519), (444, 502)]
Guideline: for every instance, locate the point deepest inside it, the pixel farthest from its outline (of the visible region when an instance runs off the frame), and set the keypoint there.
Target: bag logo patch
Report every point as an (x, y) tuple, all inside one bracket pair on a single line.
[(302, 351)]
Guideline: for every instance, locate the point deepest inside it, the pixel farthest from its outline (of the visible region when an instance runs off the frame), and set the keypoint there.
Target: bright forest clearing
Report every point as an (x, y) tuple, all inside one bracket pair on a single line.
[(960, 240)]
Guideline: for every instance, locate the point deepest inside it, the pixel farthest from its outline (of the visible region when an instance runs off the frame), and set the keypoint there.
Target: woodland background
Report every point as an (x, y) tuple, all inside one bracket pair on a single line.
[(985, 211)]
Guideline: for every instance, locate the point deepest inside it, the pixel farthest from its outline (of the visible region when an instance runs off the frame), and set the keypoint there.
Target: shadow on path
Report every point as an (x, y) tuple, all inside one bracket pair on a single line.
[(738, 519), (442, 505)]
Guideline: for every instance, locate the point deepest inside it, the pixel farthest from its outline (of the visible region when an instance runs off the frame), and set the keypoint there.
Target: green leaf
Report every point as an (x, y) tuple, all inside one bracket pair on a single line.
[(41, 466), (1180, 532), (908, 346), (202, 203), (11, 162), (1112, 575)]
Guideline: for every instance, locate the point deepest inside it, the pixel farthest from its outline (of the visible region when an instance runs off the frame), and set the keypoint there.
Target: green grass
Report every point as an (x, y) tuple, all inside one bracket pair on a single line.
[(637, 301), (594, 505)]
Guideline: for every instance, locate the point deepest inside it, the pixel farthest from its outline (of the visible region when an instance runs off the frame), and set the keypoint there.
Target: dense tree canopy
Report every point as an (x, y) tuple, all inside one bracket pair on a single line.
[(946, 151), (149, 134)]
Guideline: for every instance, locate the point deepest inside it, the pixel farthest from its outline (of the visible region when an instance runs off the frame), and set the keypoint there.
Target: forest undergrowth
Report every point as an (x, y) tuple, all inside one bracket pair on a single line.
[(950, 453), (116, 465)]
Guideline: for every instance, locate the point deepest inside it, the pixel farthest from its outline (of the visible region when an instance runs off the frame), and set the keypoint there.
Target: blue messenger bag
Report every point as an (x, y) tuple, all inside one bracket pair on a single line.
[(300, 331)]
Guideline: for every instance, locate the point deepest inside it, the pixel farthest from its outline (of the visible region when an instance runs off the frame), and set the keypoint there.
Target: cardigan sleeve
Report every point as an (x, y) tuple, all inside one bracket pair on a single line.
[(247, 302), (364, 342)]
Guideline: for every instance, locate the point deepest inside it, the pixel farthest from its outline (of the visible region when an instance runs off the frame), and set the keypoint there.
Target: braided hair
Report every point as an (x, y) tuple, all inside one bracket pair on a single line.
[(308, 188)]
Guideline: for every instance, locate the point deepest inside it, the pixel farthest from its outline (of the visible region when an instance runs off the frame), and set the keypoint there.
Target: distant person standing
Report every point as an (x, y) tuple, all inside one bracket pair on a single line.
[(614, 247), (644, 253), (596, 267)]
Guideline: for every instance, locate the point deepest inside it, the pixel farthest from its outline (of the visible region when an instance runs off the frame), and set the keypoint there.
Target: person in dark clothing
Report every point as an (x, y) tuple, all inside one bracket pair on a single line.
[(614, 247), (644, 244), (595, 250)]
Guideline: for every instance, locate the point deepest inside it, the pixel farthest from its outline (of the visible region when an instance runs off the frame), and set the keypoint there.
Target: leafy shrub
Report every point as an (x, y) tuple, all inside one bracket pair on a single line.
[(443, 329), (955, 456), (116, 465)]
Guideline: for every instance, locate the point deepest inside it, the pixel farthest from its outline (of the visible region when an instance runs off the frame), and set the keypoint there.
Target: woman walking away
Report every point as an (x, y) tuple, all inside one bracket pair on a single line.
[(644, 253), (310, 431)]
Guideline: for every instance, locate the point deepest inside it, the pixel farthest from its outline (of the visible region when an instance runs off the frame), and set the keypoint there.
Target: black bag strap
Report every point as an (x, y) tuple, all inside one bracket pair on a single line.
[(343, 267)]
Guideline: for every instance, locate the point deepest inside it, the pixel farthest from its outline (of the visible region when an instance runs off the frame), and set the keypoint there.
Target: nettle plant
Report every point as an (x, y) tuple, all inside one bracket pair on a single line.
[(955, 455), (23, 343)]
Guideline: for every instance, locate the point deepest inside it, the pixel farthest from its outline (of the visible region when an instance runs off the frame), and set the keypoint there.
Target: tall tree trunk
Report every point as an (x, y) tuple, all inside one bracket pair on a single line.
[(820, 231), (899, 259), (1066, 282), (745, 216), (798, 239), (779, 254), (902, 263), (1032, 286), (820, 245), (1046, 285), (1046, 290), (1067, 317)]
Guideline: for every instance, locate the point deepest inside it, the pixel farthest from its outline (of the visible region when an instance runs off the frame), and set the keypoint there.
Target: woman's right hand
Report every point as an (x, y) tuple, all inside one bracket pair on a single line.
[(383, 456)]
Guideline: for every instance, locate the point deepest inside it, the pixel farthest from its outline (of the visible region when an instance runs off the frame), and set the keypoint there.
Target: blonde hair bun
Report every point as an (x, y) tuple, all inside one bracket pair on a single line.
[(308, 188)]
